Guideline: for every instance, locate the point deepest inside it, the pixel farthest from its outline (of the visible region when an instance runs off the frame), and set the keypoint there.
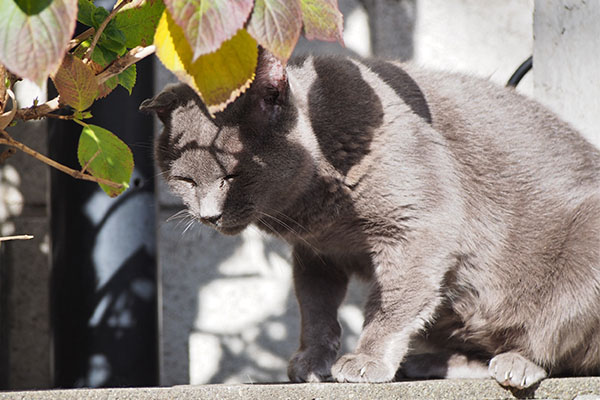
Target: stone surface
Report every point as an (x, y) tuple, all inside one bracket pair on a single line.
[(28, 306), (566, 61), (23, 188), (566, 388)]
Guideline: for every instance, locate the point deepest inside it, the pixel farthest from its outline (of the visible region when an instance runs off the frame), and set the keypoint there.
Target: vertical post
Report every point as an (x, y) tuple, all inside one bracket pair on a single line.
[(3, 325), (566, 62), (104, 274), (392, 24)]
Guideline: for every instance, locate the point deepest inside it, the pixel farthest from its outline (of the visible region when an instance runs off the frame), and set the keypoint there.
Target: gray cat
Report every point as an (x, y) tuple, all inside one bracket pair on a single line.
[(473, 211)]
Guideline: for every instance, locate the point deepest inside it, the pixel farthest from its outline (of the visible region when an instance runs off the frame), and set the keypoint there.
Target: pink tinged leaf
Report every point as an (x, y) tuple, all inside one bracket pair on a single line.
[(276, 25), (76, 83), (322, 20), (32, 46), (208, 23)]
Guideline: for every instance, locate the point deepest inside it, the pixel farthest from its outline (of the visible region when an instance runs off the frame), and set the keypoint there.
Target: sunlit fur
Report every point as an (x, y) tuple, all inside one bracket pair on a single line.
[(473, 211)]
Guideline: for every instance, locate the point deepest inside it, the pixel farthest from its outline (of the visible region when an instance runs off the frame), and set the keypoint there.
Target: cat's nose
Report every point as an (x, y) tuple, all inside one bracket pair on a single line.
[(212, 220)]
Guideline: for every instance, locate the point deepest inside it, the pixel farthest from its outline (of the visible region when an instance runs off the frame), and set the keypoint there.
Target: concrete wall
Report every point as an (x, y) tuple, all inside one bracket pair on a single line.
[(488, 38), (229, 312), (567, 61), (25, 264)]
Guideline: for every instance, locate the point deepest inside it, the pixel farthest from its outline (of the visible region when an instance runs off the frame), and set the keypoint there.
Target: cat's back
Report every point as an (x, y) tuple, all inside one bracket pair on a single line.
[(471, 111)]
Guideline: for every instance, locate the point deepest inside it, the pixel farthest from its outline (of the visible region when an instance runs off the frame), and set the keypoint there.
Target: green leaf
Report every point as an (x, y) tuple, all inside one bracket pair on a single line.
[(76, 83), (108, 86), (32, 7), (322, 20), (127, 78), (32, 46), (82, 115), (98, 16), (104, 155), (103, 56), (84, 14), (276, 25), (113, 39), (208, 23), (219, 77), (138, 24)]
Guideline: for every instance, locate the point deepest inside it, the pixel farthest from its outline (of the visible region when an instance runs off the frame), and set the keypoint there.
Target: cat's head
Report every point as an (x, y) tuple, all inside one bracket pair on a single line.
[(245, 162)]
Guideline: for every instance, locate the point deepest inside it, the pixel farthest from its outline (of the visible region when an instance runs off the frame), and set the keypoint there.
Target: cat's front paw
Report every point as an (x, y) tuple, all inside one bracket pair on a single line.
[(512, 369), (362, 368), (310, 366)]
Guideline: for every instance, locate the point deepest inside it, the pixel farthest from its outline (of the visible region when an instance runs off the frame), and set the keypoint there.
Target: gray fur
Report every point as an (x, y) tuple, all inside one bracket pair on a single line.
[(473, 211)]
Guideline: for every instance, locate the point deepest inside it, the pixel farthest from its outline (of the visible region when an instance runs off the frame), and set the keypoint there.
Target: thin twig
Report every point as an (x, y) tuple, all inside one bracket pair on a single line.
[(87, 164), (39, 111), (9, 141), (115, 68), (88, 54), (3, 93), (122, 63), (17, 237), (80, 38), (58, 116)]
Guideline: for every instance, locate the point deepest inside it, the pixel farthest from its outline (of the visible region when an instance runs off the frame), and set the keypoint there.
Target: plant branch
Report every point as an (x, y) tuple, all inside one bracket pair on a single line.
[(3, 93), (115, 68), (39, 111), (103, 25), (9, 141), (122, 63), (58, 116), (87, 164), (17, 237), (76, 41)]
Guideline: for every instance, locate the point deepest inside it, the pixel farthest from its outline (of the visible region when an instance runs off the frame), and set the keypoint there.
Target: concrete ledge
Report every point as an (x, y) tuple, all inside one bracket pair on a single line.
[(563, 388)]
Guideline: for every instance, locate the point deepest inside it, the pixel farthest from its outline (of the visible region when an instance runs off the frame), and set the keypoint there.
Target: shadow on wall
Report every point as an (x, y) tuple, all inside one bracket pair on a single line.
[(229, 311)]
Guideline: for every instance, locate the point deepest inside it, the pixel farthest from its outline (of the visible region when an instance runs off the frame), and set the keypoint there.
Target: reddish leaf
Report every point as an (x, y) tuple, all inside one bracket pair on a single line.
[(32, 46), (322, 20), (276, 25), (107, 87), (76, 83), (208, 23)]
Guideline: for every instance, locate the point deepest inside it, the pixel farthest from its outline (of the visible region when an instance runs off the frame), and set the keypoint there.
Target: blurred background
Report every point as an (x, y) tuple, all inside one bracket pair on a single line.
[(111, 293)]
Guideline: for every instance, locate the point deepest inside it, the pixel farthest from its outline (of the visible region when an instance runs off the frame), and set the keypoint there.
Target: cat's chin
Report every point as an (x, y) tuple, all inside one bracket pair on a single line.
[(230, 230)]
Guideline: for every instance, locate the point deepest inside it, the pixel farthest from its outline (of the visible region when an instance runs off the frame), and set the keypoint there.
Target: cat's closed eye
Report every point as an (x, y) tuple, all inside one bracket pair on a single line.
[(185, 179), (227, 179)]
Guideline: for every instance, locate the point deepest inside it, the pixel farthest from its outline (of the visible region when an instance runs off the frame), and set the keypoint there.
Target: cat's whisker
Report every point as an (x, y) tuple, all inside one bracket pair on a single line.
[(188, 226), (292, 231), (184, 220), (162, 173), (275, 232), (287, 217), (181, 214)]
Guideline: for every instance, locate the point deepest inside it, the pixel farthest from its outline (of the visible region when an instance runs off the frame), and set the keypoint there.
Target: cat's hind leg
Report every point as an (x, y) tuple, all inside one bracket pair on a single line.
[(514, 370)]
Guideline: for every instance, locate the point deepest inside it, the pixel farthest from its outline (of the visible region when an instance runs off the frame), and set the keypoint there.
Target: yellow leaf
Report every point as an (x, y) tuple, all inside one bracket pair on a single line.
[(219, 77)]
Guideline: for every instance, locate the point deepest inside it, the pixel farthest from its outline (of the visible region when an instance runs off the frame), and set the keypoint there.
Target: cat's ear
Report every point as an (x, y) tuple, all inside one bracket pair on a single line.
[(162, 104), (271, 81)]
